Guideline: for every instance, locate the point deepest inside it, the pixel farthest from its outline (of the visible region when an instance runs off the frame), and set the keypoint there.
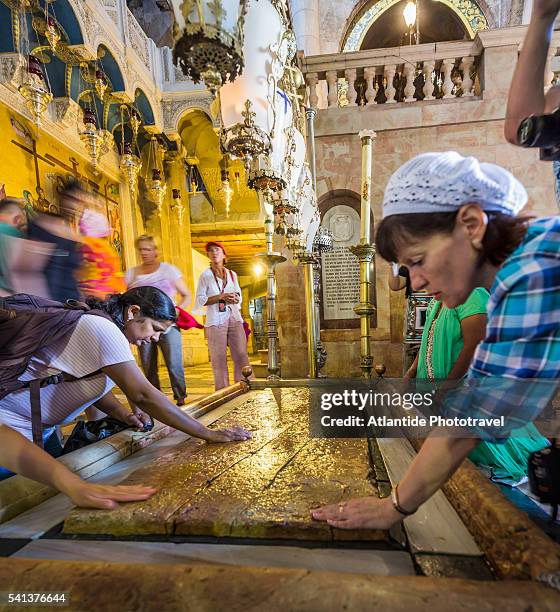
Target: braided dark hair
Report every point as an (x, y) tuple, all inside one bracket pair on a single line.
[(153, 303)]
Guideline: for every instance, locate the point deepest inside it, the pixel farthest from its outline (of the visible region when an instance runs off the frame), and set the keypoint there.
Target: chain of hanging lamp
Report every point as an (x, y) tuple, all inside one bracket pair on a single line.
[(155, 180), (129, 162), (34, 84)]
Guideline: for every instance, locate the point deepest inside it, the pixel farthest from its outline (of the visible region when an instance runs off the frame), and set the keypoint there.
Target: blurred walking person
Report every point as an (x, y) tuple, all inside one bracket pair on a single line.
[(168, 278), (61, 230)]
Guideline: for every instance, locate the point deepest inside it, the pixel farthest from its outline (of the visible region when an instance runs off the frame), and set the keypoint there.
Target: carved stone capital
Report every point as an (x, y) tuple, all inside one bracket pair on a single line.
[(66, 112), (9, 73)]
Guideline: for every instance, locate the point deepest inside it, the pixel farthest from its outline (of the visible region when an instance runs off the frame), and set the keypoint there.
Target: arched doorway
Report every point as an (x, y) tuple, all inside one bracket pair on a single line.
[(380, 23), (437, 22)]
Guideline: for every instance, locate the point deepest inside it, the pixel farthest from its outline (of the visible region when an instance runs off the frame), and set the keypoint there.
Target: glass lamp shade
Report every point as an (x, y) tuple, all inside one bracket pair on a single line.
[(409, 13)]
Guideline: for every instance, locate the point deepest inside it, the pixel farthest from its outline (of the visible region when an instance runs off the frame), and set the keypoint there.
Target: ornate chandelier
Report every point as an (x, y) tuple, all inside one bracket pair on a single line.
[(92, 137), (209, 40), (100, 83), (35, 89), (246, 140), (283, 212), (52, 33)]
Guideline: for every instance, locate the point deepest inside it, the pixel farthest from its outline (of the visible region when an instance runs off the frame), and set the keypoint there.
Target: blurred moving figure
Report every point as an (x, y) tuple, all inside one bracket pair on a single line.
[(100, 273), (61, 231), (169, 279), (22, 262)]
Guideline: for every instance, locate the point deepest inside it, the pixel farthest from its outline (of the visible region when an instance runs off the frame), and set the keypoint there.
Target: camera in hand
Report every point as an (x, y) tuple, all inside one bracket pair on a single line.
[(544, 476), (222, 306), (542, 131)]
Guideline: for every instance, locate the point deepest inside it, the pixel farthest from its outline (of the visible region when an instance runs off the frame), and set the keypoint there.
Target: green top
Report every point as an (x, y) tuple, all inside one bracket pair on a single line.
[(505, 462), (448, 338), (9, 230), (6, 230)]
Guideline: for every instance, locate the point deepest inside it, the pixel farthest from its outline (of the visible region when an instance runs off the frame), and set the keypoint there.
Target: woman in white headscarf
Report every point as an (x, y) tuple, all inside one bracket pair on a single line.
[(455, 224)]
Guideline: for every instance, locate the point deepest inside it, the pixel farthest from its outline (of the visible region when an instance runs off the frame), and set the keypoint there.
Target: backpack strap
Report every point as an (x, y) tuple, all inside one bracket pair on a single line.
[(36, 420)]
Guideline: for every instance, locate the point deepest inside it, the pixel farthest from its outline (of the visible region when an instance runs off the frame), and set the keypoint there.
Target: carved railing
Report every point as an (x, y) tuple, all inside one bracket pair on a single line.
[(388, 76)]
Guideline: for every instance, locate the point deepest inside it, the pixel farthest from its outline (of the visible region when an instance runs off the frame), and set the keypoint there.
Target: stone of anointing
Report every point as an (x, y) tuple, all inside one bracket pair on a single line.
[(263, 488)]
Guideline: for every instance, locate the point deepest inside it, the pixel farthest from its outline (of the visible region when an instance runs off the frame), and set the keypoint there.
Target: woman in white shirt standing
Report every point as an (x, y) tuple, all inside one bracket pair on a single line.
[(219, 291), (169, 279)]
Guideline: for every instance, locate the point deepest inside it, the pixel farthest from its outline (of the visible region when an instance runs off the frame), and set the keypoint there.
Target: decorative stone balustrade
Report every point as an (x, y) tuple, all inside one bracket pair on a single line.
[(410, 74), (388, 76)]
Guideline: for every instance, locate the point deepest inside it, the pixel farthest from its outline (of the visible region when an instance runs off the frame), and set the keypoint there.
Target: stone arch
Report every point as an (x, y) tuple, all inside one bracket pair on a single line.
[(144, 106), (367, 12), (336, 196), (111, 67), (84, 19), (176, 110), (68, 18)]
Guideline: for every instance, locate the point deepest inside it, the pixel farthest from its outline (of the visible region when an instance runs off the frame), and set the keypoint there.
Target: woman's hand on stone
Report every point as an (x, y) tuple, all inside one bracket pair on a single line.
[(144, 418), (361, 513), (137, 419), (230, 434), (87, 495)]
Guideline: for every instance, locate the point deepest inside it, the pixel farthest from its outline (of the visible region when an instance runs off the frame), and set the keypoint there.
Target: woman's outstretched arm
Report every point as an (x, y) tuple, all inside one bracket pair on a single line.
[(131, 380), (21, 456)]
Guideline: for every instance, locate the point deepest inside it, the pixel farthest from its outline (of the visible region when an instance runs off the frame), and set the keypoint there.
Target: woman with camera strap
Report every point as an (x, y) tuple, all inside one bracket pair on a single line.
[(219, 292)]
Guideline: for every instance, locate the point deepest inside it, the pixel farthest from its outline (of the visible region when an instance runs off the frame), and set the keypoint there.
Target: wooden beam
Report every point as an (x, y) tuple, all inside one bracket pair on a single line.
[(435, 527)]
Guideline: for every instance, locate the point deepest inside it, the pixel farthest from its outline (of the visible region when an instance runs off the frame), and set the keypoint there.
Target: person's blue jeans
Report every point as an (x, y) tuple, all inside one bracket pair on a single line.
[(172, 349), (52, 446)]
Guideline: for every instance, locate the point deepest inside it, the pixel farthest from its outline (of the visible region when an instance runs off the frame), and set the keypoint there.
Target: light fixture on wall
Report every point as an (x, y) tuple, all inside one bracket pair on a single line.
[(177, 205), (209, 40), (227, 191), (411, 18)]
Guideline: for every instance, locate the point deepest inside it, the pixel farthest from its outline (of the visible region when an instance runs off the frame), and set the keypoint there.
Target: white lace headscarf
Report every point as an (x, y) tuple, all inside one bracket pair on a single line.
[(443, 182)]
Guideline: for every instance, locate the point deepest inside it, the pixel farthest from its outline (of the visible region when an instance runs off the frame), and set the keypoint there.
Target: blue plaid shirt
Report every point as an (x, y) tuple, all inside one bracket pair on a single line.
[(515, 366)]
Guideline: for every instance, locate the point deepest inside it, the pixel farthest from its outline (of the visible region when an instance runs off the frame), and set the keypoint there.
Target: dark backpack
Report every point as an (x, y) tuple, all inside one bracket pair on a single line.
[(27, 324)]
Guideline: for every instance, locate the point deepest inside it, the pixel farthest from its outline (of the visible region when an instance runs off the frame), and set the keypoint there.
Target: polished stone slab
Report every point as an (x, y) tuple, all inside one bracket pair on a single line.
[(377, 562), (38, 520), (263, 488)]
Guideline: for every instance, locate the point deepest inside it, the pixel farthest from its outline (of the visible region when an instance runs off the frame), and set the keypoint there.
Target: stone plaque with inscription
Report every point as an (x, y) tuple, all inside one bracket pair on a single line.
[(341, 284), (340, 268)]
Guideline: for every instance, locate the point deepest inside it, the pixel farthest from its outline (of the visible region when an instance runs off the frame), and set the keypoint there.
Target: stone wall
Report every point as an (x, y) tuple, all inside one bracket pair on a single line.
[(338, 167), (470, 126)]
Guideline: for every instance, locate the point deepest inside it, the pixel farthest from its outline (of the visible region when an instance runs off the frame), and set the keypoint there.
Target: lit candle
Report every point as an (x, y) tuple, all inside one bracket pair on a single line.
[(366, 136)]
